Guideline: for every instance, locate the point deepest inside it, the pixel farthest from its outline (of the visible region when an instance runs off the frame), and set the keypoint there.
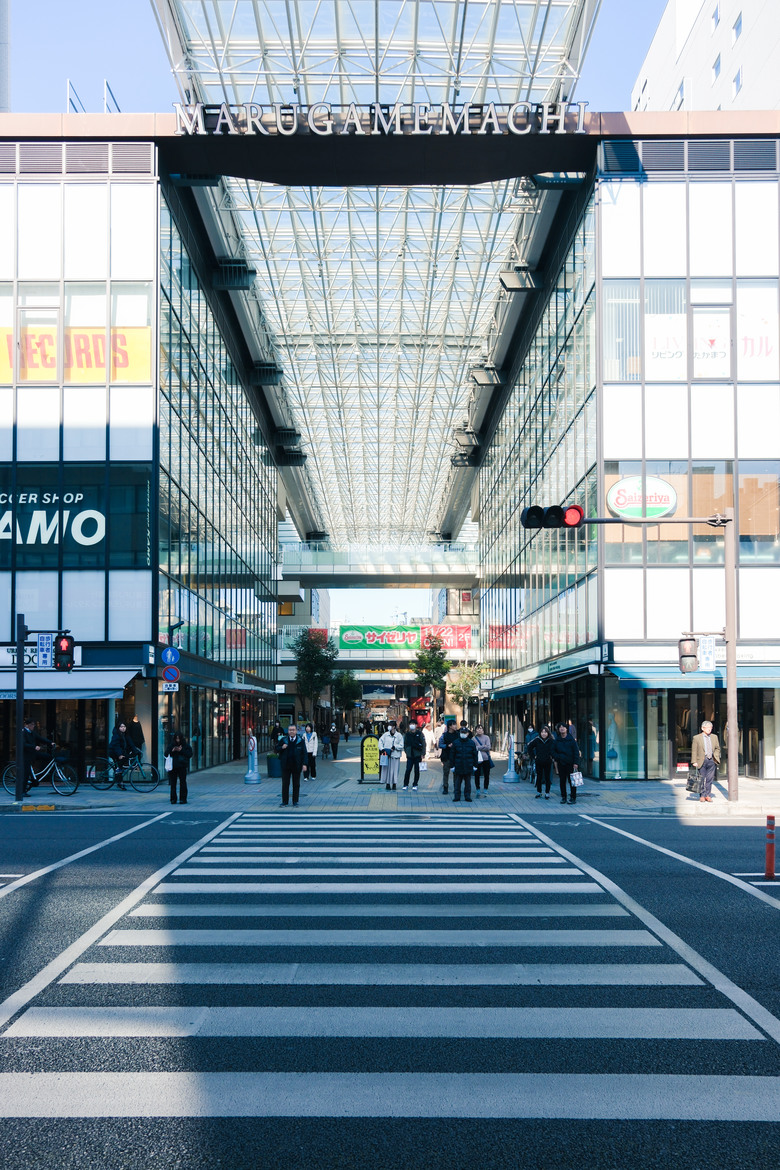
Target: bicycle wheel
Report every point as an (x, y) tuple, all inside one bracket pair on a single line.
[(9, 779), (144, 777), (64, 779), (100, 774)]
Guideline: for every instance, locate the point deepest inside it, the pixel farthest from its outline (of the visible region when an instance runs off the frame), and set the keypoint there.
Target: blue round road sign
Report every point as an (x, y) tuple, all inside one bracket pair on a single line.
[(171, 674), (170, 655)]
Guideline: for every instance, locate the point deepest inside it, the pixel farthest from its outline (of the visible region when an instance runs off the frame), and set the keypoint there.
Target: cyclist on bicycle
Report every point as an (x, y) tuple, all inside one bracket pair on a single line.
[(122, 751), (34, 746)]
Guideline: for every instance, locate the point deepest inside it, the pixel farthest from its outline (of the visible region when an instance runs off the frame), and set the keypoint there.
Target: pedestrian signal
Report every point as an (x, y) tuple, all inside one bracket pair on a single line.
[(570, 516), (688, 654), (63, 652)]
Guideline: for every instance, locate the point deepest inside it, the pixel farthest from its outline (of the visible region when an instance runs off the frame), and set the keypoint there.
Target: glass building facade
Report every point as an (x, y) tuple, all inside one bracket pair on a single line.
[(677, 410), (135, 491)]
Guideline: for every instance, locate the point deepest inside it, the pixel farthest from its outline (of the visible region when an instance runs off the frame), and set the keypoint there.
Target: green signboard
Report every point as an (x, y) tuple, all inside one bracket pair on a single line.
[(379, 637)]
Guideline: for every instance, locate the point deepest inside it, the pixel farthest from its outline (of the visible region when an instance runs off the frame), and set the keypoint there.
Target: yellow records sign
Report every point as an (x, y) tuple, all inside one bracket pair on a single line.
[(369, 758)]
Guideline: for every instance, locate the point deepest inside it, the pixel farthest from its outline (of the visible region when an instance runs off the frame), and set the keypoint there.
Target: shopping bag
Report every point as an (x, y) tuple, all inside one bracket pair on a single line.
[(694, 781), (576, 779), (169, 763), (423, 766)]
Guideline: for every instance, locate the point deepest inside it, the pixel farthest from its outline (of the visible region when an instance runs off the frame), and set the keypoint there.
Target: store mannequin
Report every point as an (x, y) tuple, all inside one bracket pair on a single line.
[(614, 758)]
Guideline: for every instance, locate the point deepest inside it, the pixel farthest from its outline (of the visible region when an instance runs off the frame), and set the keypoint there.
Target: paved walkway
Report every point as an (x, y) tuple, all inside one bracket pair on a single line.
[(337, 788)]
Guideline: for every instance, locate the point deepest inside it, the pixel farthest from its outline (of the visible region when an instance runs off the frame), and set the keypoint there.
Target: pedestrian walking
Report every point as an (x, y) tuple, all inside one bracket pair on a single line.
[(438, 732), (312, 744), (346, 734), (292, 754), (391, 745), (484, 760), (566, 757), (445, 744), (414, 746), (181, 754), (464, 761), (541, 751), (705, 755), (334, 740)]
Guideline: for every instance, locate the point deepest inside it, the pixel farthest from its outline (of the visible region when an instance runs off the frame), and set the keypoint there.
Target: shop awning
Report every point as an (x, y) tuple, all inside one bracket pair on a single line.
[(79, 684), (661, 678), (527, 689)]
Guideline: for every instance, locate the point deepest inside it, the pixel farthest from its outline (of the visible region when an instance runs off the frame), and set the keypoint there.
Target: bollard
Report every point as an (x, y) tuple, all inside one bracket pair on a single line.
[(511, 776), (769, 869), (252, 775)]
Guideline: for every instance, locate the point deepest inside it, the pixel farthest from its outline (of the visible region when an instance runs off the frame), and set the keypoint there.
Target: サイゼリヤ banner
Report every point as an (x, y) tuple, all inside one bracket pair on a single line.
[(403, 637)]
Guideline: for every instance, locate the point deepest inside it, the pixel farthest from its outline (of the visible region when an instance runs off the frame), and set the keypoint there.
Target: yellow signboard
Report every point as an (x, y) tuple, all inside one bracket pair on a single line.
[(84, 354), (369, 758)]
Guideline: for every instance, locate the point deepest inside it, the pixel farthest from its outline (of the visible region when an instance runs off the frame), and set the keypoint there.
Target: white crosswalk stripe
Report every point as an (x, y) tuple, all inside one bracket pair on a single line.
[(432, 909)]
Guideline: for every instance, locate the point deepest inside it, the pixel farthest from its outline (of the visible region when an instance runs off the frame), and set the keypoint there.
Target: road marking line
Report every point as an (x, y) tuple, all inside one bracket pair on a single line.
[(311, 871), (391, 850), (391, 975), (746, 1003), (410, 1022), (379, 938), (332, 857), (19, 999), (425, 910), (600, 1096), (727, 877), (30, 877), (464, 887)]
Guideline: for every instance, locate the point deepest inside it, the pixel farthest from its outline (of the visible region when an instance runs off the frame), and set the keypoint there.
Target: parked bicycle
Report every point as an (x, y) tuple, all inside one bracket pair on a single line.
[(64, 778), (105, 773)]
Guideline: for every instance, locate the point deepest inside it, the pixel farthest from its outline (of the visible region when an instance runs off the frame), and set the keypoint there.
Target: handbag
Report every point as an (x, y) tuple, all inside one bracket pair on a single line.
[(611, 754), (169, 763), (423, 766), (576, 780), (694, 781)]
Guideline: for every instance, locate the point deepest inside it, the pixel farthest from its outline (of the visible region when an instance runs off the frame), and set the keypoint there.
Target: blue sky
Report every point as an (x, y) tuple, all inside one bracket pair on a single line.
[(89, 40)]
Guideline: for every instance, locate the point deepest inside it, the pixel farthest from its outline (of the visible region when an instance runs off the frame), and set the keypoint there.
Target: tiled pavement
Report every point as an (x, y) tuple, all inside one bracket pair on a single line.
[(337, 788)]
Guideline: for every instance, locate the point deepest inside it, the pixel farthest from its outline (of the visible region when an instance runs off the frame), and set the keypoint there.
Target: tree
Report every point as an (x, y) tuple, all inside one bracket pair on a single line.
[(431, 667), (347, 691), (466, 682), (314, 654)]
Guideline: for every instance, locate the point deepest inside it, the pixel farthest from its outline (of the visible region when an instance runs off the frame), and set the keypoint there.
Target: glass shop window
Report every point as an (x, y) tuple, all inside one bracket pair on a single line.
[(759, 511), (131, 332), (621, 331), (713, 491)]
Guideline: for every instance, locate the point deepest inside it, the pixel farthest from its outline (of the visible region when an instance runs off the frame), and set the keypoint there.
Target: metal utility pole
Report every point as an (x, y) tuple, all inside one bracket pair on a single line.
[(730, 634), (21, 637)]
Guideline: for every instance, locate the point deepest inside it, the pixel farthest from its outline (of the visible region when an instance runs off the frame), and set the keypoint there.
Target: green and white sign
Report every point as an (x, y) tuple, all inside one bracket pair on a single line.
[(636, 499), (379, 637)]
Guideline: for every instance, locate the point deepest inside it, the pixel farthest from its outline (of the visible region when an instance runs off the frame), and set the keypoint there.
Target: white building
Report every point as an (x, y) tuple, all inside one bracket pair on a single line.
[(712, 55)]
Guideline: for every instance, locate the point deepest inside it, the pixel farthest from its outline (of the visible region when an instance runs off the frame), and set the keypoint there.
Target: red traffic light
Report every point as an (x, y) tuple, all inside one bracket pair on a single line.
[(573, 516), (63, 652)]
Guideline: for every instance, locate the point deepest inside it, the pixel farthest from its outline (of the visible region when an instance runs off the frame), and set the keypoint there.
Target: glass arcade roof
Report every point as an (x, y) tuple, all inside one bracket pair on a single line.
[(379, 299)]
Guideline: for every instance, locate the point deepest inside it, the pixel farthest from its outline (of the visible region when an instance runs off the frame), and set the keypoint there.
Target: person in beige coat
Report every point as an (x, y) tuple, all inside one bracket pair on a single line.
[(705, 755)]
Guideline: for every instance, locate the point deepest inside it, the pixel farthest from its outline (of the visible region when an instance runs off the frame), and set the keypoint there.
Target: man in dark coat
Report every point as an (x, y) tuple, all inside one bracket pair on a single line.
[(414, 746), (292, 756), (566, 756), (445, 743), (464, 762), (34, 748)]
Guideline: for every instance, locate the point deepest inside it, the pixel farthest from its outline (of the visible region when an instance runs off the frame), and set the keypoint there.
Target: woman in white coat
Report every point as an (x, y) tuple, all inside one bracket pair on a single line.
[(391, 745), (312, 744)]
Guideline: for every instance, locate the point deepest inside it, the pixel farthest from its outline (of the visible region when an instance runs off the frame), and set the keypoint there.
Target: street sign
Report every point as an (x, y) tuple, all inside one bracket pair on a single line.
[(45, 651), (170, 655), (171, 674), (707, 653), (170, 688)]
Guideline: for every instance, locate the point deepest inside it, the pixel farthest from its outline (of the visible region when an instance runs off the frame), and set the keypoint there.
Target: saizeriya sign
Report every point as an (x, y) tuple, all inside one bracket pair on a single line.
[(418, 118)]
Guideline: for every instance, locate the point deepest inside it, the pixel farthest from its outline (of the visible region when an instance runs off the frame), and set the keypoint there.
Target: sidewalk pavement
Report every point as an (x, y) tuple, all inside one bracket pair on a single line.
[(337, 789)]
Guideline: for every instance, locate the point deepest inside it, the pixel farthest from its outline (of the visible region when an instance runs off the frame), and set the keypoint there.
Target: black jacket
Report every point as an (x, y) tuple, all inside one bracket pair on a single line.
[(414, 744), (181, 759), (447, 739), (464, 755), (542, 749), (135, 733), (291, 755), (566, 752), (31, 740), (121, 744)]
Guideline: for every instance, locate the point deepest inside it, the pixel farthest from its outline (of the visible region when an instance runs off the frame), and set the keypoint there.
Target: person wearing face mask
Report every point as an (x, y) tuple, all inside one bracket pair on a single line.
[(312, 743), (541, 749), (334, 740), (292, 756), (390, 748), (485, 763), (464, 762)]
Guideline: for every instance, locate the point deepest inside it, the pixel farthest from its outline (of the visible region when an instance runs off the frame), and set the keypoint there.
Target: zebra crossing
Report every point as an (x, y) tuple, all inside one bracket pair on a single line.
[(374, 966)]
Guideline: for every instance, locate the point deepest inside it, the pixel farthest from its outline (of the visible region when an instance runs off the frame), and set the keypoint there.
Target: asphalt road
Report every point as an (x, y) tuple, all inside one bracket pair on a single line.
[(384, 990)]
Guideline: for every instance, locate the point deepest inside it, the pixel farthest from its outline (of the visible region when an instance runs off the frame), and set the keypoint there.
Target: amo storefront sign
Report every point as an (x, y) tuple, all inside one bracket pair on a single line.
[(403, 637), (636, 498)]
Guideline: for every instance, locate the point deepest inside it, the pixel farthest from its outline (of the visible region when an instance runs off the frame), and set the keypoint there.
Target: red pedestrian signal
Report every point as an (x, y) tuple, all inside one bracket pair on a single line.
[(63, 652), (573, 516)]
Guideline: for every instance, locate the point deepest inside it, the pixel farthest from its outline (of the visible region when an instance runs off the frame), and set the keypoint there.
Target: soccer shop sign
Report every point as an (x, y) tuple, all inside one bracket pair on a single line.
[(403, 637), (635, 498), (323, 120)]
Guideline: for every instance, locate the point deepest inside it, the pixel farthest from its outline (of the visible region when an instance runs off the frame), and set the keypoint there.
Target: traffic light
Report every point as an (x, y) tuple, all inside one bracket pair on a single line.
[(63, 652), (688, 654), (569, 516)]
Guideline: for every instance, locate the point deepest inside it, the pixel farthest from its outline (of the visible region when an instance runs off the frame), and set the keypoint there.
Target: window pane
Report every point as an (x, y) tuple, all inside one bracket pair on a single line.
[(38, 348), (758, 416), (712, 422), (666, 422), (36, 598), (38, 423), (131, 333), (6, 232), (664, 229), (86, 231), (6, 335), (130, 516), (756, 229), (83, 605), (666, 346), (667, 543), (710, 229), (757, 331), (623, 603), (711, 343), (6, 423), (668, 602), (129, 606), (622, 542), (133, 231), (759, 511), (84, 423), (40, 231), (132, 422), (5, 606), (713, 491), (85, 333), (623, 422), (621, 331), (619, 228)]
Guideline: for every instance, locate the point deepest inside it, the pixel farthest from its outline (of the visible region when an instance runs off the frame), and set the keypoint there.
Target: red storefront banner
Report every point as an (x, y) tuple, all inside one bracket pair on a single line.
[(453, 637)]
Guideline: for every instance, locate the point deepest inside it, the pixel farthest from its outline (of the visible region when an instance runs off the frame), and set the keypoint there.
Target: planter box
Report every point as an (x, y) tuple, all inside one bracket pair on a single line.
[(274, 765)]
